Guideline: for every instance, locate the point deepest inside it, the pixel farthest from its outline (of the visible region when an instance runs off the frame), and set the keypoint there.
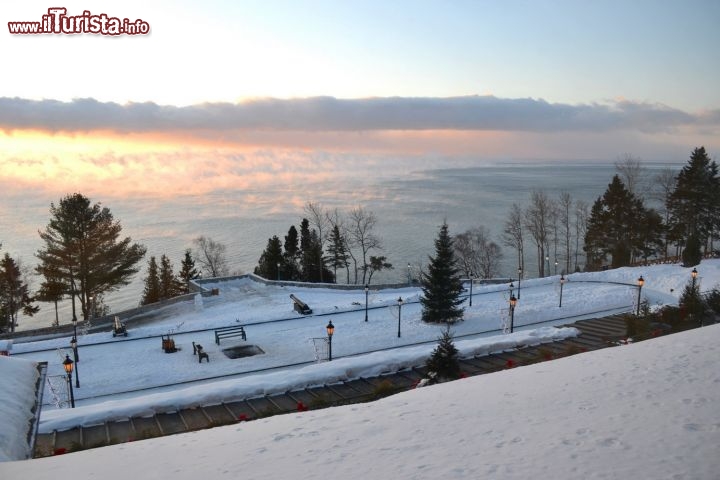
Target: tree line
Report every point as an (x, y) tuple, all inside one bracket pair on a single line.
[(329, 243)]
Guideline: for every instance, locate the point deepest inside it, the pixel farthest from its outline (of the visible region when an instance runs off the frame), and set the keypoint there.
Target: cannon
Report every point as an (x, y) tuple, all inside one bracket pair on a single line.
[(300, 306), (119, 328)]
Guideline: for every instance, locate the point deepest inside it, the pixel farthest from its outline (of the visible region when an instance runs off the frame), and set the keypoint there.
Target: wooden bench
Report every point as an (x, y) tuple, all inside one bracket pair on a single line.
[(226, 332), (300, 306)]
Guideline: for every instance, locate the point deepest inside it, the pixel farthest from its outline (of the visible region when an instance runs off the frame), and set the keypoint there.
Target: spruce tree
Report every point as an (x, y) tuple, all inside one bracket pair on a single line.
[(269, 260), (621, 226), (444, 359), (291, 254), (441, 285), (337, 250), (169, 284), (694, 205), (187, 272), (151, 293), (14, 294)]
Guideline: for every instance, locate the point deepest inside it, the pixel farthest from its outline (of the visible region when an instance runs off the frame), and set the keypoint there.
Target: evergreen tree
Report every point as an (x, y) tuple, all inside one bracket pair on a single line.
[(620, 226), (292, 252), (441, 285), (52, 289), (694, 205), (14, 294), (693, 302), (337, 250), (443, 361), (169, 283), (312, 262), (187, 272), (269, 260), (692, 255), (304, 235), (151, 294), (377, 264), (84, 252)]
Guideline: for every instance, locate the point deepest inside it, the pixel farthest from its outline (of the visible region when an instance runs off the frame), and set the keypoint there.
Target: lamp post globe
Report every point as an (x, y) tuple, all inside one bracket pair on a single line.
[(68, 366)]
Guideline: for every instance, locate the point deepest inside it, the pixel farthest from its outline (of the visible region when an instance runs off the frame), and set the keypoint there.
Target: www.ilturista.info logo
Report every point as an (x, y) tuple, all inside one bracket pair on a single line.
[(58, 22)]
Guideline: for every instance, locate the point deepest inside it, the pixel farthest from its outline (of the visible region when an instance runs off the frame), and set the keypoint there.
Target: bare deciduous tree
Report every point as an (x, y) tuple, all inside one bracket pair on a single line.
[(537, 222), (319, 219), (477, 254), (582, 216), (211, 256), (633, 174), (360, 231), (512, 235), (662, 188), (564, 205)]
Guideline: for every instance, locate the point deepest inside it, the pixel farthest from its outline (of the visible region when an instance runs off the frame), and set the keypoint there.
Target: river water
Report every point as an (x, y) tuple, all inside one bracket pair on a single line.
[(410, 207)]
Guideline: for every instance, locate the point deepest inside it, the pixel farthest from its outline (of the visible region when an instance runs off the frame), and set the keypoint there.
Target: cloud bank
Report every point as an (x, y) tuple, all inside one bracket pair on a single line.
[(316, 114)]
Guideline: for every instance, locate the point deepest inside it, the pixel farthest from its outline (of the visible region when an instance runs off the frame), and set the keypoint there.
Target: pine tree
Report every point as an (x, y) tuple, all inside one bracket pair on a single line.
[(441, 285), (83, 250), (14, 294), (151, 294), (271, 262), (169, 284), (187, 272), (444, 359)]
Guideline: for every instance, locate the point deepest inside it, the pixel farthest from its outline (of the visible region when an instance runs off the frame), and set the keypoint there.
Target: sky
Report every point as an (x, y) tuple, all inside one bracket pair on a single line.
[(641, 410), (218, 86)]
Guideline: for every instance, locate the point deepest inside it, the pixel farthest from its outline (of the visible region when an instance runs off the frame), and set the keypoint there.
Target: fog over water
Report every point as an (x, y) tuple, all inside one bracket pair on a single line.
[(410, 205)]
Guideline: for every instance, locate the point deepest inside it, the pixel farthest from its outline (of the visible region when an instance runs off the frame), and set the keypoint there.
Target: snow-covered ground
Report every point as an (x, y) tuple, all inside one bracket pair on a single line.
[(109, 368), (647, 410)]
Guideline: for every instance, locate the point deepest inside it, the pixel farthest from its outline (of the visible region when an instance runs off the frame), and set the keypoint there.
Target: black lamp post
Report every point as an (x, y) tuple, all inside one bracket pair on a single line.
[(511, 287), (640, 282), (471, 282), (409, 275), (519, 278), (562, 282), (367, 289), (278, 271), (694, 276), (330, 330), (73, 345), (556, 264), (513, 302), (400, 304), (68, 365), (74, 322)]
